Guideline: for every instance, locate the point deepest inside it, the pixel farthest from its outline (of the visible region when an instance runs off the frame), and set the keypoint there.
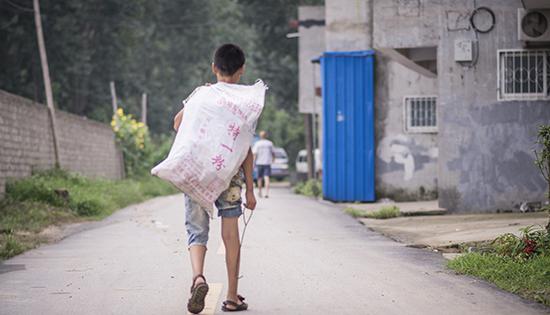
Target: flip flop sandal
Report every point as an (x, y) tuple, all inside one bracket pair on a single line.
[(240, 297), (237, 307), (195, 304)]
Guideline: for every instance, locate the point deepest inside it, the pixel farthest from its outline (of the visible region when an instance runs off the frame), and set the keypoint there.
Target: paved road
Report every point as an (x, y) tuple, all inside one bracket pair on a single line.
[(300, 257)]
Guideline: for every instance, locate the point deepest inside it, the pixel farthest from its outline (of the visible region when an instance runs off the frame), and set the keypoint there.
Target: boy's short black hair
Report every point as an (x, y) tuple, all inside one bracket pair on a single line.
[(229, 58)]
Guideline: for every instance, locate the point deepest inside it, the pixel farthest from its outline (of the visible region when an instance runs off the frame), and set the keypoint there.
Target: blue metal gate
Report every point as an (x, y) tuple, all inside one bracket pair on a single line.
[(348, 129)]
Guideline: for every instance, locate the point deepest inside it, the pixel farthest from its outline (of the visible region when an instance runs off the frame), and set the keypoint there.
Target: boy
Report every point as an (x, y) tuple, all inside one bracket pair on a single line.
[(228, 66)]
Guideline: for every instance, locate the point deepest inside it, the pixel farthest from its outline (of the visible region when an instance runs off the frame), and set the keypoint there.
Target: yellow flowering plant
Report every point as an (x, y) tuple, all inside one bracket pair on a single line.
[(134, 140)]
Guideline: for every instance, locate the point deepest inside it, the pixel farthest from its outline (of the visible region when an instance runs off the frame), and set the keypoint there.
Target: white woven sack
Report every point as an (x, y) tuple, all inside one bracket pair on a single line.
[(213, 139)]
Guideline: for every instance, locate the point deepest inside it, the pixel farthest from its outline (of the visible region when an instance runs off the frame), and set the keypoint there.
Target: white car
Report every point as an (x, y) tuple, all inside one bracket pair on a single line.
[(279, 168), (301, 162)]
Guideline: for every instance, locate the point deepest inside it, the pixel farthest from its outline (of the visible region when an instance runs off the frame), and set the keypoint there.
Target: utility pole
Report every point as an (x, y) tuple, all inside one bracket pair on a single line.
[(113, 96), (144, 108), (46, 76)]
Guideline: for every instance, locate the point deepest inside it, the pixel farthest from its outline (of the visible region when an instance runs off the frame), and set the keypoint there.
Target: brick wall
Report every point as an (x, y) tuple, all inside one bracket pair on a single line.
[(87, 147)]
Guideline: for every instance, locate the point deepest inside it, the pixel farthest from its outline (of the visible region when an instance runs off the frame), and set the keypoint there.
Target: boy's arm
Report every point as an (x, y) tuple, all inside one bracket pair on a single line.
[(177, 120), (249, 181)]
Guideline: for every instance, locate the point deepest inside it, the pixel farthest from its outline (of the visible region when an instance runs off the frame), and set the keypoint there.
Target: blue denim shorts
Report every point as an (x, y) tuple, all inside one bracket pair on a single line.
[(197, 220), (263, 170)]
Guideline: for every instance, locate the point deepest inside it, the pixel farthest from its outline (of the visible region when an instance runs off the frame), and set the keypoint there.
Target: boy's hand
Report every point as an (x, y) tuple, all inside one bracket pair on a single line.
[(250, 200)]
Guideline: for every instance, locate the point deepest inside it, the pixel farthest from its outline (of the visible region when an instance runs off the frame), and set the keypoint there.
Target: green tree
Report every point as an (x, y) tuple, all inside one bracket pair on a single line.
[(160, 47)]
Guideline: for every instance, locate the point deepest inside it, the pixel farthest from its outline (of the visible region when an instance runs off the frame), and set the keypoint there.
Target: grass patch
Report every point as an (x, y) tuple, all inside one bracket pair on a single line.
[(356, 213), (530, 279), (311, 188), (385, 212), (56, 197)]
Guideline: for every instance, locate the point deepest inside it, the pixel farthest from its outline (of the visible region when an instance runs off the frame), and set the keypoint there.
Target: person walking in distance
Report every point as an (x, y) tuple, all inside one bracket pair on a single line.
[(264, 155)]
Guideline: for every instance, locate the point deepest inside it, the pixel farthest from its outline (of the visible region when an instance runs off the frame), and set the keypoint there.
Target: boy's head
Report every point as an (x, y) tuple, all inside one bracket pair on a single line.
[(228, 63)]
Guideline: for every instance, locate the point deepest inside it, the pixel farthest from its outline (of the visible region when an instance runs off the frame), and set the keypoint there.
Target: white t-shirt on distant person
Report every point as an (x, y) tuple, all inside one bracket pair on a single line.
[(263, 149)]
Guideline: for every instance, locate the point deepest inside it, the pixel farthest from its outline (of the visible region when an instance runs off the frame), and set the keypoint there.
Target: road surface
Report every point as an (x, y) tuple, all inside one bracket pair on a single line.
[(300, 256)]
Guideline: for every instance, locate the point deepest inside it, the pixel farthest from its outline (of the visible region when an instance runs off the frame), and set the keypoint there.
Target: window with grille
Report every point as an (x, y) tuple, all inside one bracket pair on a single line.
[(421, 113), (524, 74)]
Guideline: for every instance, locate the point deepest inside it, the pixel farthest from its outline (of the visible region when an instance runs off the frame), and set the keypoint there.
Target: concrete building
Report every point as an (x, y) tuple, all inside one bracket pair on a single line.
[(459, 97)]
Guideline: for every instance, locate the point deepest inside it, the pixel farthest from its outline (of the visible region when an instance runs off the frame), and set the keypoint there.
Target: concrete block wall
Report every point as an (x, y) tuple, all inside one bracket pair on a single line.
[(86, 147)]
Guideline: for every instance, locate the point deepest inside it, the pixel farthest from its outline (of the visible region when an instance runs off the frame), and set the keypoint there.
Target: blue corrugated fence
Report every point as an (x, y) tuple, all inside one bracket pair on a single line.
[(348, 116)]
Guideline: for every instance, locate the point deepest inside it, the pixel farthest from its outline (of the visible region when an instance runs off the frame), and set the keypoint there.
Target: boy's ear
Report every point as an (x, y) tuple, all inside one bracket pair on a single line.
[(214, 69), (241, 70)]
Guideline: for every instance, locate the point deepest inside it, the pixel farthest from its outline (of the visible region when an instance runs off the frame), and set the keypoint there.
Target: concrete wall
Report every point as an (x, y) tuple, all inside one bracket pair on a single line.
[(347, 25), (86, 146), (406, 23), (406, 163), (486, 158)]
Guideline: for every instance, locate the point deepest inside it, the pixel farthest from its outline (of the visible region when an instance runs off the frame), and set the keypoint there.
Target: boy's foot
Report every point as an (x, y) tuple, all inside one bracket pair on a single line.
[(230, 306), (240, 297), (199, 289)]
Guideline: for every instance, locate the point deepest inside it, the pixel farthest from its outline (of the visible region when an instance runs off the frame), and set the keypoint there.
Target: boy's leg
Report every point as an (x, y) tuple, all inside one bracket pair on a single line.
[(230, 236), (197, 254), (229, 206), (197, 224)]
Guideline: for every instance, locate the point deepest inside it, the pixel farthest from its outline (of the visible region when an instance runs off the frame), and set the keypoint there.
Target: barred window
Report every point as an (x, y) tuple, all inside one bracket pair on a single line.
[(524, 74), (420, 113)]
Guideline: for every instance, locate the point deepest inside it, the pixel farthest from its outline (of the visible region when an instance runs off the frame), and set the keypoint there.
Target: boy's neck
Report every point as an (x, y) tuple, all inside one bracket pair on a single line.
[(229, 79)]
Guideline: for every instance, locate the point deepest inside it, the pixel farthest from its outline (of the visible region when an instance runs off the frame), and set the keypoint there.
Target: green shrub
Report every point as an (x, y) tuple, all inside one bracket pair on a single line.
[(10, 247), (87, 208), (311, 188), (86, 196), (161, 147), (34, 188), (154, 187), (533, 241)]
